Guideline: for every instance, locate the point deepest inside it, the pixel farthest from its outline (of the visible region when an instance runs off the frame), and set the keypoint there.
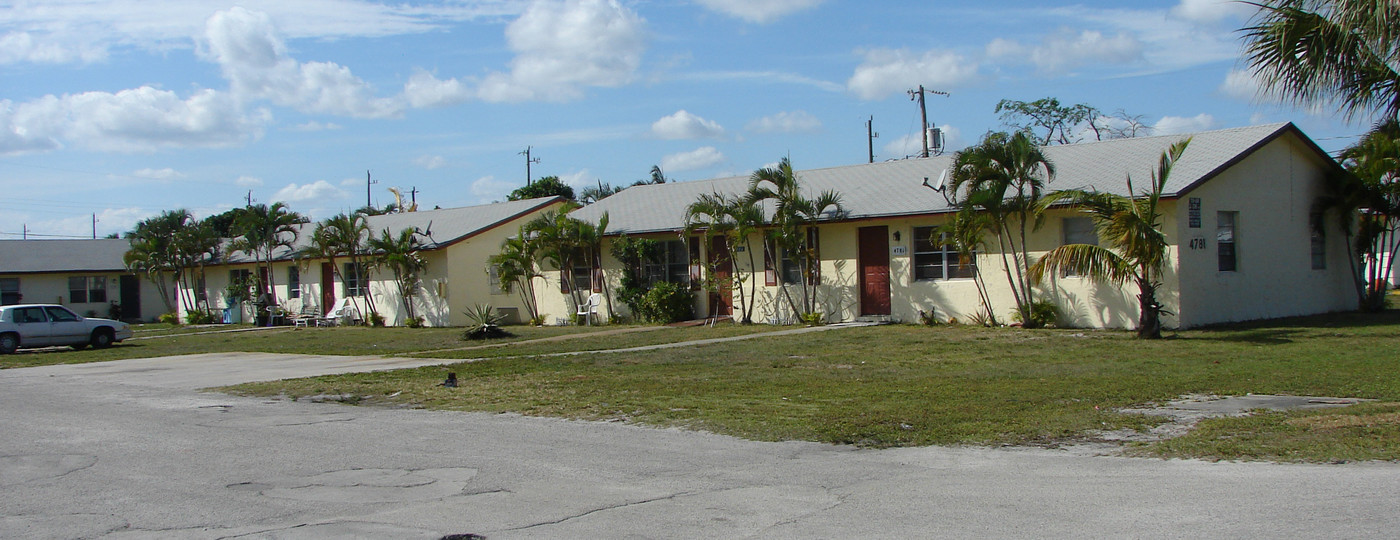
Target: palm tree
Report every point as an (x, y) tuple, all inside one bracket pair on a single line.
[(344, 235), (517, 269), (1328, 51), (400, 255), (556, 237), (261, 229), (794, 224), (967, 232), (1366, 200), (155, 252), (736, 219), (1004, 176), (1136, 250)]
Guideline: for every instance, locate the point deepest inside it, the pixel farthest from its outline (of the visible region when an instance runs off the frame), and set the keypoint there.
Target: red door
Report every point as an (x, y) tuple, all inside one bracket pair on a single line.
[(327, 287), (874, 271), (721, 302)]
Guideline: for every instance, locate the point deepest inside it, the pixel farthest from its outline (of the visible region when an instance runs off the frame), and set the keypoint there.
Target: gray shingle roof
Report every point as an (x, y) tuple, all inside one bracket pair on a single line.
[(894, 188), (38, 256)]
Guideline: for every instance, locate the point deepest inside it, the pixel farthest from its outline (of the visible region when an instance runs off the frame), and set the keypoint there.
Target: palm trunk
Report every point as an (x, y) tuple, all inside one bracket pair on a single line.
[(753, 291), (1003, 239), (1149, 314)]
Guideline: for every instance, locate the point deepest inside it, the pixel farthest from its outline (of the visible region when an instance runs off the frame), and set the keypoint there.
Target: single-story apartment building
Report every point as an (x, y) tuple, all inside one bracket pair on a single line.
[(1236, 213), (457, 244), (88, 276)]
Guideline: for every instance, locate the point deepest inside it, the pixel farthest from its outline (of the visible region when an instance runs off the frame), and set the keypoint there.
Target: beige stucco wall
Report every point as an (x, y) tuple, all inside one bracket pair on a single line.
[(1273, 190), (53, 289)]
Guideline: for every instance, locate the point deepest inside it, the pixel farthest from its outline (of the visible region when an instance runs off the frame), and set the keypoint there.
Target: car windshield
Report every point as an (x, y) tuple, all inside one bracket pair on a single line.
[(58, 314)]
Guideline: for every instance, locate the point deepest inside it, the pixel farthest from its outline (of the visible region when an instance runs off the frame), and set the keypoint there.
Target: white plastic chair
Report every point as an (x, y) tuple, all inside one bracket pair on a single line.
[(589, 309)]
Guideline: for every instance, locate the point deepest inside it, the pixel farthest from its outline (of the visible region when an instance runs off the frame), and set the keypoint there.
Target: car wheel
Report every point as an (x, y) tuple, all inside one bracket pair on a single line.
[(8, 343), (102, 338)]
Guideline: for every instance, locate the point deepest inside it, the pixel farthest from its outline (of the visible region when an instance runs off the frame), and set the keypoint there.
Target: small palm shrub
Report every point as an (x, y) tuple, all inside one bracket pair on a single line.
[(201, 317), (169, 318), (484, 323), (1043, 313)]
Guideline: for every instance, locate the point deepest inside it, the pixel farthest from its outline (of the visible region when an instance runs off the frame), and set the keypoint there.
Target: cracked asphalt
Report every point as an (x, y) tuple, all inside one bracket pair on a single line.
[(131, 449)]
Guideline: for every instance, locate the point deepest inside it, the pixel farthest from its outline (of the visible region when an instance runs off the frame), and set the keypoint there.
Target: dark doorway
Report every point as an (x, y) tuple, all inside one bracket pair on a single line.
[(327, 287), (721, 301), (874, 270), (131, 298)]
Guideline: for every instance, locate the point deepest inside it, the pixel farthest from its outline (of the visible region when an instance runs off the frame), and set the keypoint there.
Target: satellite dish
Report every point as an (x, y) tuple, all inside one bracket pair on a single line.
[(942, 179)]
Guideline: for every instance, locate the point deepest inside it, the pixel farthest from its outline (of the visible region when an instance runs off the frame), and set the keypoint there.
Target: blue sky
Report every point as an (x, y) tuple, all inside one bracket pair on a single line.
[(125, 108)]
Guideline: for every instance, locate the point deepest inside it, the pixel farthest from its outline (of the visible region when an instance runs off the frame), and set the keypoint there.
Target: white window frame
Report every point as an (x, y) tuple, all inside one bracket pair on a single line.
[(950, 260)]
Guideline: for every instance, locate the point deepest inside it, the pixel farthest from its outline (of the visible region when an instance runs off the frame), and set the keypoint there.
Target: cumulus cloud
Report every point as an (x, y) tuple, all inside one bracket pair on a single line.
[(786, 122), (1067, 49), (890, 71), (248, 182), (759, 11), (1173, 125), (700, 158), (684, 125), (316, 191), (1212, 11), (488, 188), (578, 179), (1242, 84), (158, 174), (425, 90), (430, 162), (563, 47), (140, 119), (253, 58)]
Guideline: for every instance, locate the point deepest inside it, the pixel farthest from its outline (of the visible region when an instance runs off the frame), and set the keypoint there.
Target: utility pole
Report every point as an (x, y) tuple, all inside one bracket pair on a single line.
[(870, 136), (528, 161), (368, 183), (24, 232), (94, 226), (250, 198), (918, 95), (413, 196)]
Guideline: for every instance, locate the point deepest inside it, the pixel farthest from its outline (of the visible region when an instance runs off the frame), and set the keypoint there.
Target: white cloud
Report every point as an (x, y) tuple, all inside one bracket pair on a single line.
[(563, 47), (700, 158), (424, 90), (787, 122), (83, 30), (248, 182), (140, 119), (488, 188), (158, 174), (1212, 11), (684, 125), (18, 47), (579, 179), (253, 58), (316, 191), (316, 126), (1067, 49), (430, 162), (759, 11), (1173, 125), (109, 220), (890, 71), (1242, 84)]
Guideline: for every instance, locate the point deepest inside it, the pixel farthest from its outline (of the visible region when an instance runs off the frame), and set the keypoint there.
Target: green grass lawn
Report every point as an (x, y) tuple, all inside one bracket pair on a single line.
[(357, 340), (910, 385)]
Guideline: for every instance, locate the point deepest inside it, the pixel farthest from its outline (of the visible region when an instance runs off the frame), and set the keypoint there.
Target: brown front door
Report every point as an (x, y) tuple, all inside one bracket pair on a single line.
[(327, 287), (721, 302), (874, 271)]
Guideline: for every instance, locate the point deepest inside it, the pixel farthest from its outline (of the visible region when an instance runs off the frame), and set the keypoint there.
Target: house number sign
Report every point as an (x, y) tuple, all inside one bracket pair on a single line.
[(901, 250), (1198, 243)]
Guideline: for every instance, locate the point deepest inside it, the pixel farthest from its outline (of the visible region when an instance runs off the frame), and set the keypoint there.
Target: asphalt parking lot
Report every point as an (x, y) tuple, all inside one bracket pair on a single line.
[(132, 449)]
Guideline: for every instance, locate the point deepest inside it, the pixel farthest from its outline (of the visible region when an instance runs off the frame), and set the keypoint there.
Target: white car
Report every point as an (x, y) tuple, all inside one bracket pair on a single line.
[(43, 325)]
